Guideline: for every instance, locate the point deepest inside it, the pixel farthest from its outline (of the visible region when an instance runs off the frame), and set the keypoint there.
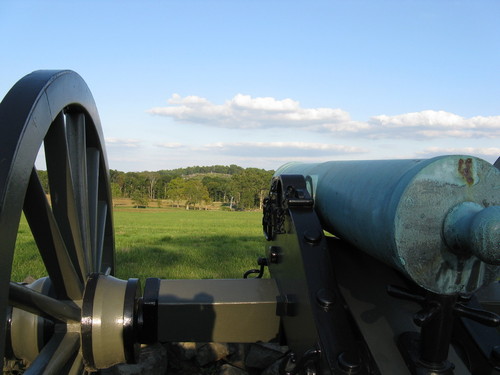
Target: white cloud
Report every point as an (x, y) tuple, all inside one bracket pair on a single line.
[(266, 103), (347, 128), (170, 145), (434, 124), (120, 142), (282, 149), (424, 118), (244, 111), (189, 100)]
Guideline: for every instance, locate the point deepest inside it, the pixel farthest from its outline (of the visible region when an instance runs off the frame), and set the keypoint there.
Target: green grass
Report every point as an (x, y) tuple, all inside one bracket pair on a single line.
[(27, 261), (169, 244)]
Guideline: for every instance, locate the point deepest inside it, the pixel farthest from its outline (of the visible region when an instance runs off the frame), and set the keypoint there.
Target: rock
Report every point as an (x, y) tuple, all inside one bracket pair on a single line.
[(274, 346), (273, 369), (29, 279), (184, 368), (237, 356), (152, 361), (186, 358), (178, 363), (262, 356), (228, 369), (211, 352), (187, 349)]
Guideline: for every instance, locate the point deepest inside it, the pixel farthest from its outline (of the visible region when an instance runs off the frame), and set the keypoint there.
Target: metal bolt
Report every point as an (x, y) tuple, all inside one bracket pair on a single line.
[(274, 254), (313, 236), (349, 362), (325, 298)]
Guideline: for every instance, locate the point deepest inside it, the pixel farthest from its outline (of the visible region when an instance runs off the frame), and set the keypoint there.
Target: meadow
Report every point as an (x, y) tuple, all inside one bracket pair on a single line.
[(169, 244)]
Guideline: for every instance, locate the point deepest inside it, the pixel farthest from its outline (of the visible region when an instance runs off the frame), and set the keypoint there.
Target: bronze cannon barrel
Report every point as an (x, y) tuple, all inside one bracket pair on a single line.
[(436, 220)]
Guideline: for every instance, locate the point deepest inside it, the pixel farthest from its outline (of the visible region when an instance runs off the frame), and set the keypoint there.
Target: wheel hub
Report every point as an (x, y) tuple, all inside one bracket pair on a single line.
[(109, 324)]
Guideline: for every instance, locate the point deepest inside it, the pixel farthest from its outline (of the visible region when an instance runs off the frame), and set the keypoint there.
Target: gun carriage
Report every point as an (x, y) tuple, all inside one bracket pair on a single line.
[(377, 267)]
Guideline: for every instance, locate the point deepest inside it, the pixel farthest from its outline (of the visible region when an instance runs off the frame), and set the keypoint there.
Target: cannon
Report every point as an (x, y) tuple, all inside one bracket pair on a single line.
[(410, 263), (377, 267)]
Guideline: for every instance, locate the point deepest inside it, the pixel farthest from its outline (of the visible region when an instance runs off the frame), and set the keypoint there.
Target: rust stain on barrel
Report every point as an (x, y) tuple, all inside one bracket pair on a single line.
[(465, 169)]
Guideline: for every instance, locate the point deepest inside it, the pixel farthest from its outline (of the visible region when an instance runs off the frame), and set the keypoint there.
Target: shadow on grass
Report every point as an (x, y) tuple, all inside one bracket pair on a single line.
[(199, 257)]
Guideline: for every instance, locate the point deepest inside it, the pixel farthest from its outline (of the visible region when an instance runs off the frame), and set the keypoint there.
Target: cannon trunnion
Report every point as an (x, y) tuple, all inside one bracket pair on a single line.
[(377, 267)]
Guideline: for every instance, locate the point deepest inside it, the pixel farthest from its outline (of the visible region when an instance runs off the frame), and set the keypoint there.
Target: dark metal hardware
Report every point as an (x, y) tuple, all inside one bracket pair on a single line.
[(349, 363), (286, 305), (429, 350), (262, 262), (307, 365)]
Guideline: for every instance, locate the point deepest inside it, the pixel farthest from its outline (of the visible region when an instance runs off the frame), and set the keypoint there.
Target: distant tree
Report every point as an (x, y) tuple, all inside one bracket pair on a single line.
[(113, 173), (233, 169), (175, 189), (139, 199), (161, 185), (115, 190), (218, 187), (195, 193), (151, 180), (249, 187), (132, 182), (118, 178), (243, 187)]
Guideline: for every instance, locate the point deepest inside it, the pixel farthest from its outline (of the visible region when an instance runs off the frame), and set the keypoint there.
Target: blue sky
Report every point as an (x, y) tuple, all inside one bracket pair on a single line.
[(259, 83)]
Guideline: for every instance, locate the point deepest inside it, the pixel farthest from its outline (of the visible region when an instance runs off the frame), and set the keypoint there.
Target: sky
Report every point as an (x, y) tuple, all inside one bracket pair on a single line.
[(261, 83)]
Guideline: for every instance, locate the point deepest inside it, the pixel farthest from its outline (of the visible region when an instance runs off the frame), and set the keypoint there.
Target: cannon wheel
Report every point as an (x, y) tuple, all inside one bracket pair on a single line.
[(74, 232)]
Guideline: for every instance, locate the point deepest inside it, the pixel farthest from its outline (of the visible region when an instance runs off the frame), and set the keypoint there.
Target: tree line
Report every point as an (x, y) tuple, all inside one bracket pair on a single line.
[(233, 186)]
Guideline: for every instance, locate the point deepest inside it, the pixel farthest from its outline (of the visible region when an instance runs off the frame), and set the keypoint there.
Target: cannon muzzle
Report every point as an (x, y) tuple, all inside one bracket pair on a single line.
[(436, 220)]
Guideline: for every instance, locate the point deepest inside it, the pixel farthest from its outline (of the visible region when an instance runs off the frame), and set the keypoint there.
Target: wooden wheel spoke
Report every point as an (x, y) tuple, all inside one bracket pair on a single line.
[(79, 206), (50, 242), (65, 351), (54, 356), (63, 195), (93, 156), (101, 231), (77, 366), (37, 303)]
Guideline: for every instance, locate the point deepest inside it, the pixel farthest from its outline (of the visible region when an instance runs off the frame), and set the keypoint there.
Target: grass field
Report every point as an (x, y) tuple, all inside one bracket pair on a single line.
[(169, 244)]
